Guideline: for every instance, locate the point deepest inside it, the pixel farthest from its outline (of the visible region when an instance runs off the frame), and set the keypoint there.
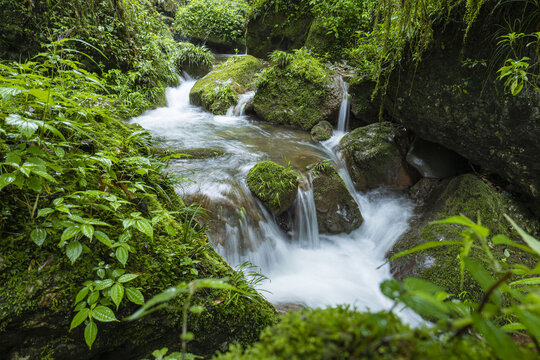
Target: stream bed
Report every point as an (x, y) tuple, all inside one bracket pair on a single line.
[(303, 267)]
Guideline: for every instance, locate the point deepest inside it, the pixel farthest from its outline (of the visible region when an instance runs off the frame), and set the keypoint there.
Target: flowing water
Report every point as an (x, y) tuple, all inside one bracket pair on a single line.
[(302, 266)]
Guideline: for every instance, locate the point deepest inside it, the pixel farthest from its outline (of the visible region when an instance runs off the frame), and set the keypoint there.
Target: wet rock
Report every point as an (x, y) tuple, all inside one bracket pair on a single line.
[(466, 109), (219, 89), (268, 30), (322, 131), (374, 157), (301, 94), (435, 161), (337, 211), (273, 184), (364, 110), (439, 199)]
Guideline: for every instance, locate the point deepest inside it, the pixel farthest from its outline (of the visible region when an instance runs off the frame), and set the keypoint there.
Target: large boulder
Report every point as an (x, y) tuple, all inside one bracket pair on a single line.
[(364, 109), (273, 184), (298, 91), (435, 161), (375, 157), (337, 211), (282, 26), (462, 106), (219, 89), (439, 199)]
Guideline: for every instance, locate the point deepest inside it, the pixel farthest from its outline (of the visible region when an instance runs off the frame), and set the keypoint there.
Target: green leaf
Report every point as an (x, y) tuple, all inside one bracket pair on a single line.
[(79, 318), (81, 295), (74, 250), (127, 277), (103, 284), (532, 242), (38, 236), (160, 298), (483, 277), (103, 238), (527, 281), (122, 255), (145, 227), (90, 333), (87, 230), (425, 246), (135, 296), (70, 232), (513, 327), (26, 126), (6, 179), (117, 294), (93, 298), (44, 212), (103, 314), (499, 341)]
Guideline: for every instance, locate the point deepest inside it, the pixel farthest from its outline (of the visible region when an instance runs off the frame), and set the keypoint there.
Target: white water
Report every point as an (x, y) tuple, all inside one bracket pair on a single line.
[(303, 267)]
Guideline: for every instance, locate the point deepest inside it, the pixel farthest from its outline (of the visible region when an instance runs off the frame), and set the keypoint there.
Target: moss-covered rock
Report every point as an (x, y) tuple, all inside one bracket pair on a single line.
[(282, 25), (322, 131), (467, 195), (363, 109), (299, 91), (194, 153), (337, 211), (273, 184), (219, 89), (341, 333), (374, 157), (196, 60)]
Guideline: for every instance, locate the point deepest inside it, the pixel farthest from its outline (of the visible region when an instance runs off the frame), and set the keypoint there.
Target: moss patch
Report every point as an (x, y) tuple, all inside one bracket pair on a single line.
[(322, 131), (342, 333), (298, 92), (273, 184), (219, 89), (470, 196)]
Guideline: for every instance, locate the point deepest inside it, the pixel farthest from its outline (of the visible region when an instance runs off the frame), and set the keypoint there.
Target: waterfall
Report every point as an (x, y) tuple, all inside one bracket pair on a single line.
[(305, 229), (344, 109), (240, 108), (303, 266)]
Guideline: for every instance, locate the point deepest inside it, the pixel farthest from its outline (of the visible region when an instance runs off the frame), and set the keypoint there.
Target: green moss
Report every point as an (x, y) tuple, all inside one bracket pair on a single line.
[(195, 153), (275, 185), (470, 196), (295, 94), (322, 131), (220, 88), (342, 333)]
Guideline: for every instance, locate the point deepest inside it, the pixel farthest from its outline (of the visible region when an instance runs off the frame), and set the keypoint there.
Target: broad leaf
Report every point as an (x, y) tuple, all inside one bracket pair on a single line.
[(145, 227), (117, 294), (135, 296), (103, 284), (87, 230), (70, 232), (6, 179), (122, 255), (74, 250), (81, 295), (103, 238), (527, 281), (103, 314), (532, 242), (26, 126), (499, 341), (79, 318), (38, 236), (90, 333), (127, 277)]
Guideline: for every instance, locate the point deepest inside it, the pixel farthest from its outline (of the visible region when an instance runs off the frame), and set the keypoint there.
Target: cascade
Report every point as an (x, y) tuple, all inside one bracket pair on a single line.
[(303, 266), (344, 109)]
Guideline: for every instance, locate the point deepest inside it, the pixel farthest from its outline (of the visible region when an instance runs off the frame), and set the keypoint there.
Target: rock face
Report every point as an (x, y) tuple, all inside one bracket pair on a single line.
[(363, 110), (374, 157), (274, 185), (337, 211), (219, 89), (322, 131), (301, 94), (439, 199), (466, 110), (268, 31), (435, 161)]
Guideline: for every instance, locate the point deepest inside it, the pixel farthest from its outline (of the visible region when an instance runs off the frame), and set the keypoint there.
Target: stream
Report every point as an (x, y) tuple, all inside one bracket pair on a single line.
[(303, 267)]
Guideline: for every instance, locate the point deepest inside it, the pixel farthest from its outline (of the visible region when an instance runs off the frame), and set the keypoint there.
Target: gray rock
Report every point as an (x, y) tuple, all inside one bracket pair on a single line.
[(322, 131)]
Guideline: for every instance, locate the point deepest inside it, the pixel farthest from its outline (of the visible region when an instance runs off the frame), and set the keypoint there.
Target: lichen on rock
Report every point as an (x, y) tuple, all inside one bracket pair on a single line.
[(273, 184)]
